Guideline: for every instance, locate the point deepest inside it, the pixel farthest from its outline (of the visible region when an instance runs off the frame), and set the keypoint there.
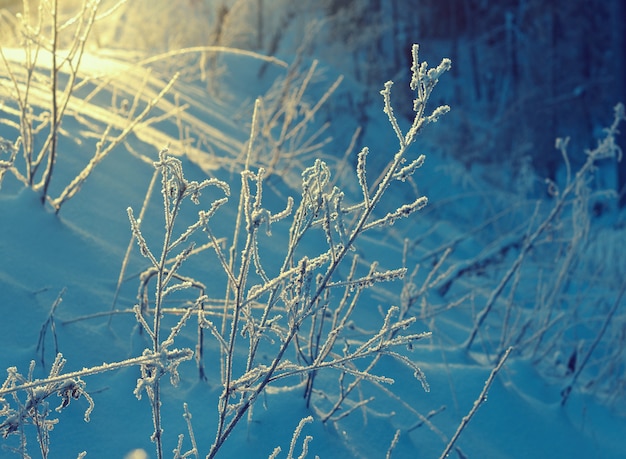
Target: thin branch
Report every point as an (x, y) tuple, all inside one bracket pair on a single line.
[(479, 401)]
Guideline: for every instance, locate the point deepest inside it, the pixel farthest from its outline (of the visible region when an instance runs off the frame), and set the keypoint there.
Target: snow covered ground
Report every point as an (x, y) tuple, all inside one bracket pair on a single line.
[(78, 255)]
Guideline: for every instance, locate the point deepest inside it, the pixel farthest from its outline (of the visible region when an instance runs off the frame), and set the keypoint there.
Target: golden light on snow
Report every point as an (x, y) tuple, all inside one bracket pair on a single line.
[(137, 454)]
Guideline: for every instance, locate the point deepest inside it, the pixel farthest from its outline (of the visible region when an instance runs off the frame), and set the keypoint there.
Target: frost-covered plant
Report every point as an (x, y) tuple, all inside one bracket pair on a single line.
[(287, 309), (297, 309), (562, 328), (17, 414), (42, 81), (284, 312), (175, 189), (283, 143), (38, 43), (294, 439), (8, 153), (34, 409)]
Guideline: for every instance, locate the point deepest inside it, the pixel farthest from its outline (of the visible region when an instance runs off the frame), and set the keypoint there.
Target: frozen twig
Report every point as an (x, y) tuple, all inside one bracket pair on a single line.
[(482, 397)]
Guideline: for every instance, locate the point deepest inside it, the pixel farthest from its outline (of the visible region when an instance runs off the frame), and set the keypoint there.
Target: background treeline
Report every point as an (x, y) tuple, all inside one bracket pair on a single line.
[(526, 71)]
